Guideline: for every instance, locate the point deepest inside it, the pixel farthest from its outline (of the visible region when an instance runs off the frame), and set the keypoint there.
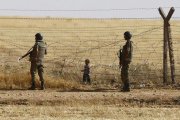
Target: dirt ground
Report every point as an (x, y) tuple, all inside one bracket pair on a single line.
[(140, 104)]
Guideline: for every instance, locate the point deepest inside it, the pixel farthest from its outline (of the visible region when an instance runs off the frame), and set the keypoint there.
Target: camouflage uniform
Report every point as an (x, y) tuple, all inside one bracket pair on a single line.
[(36, 58), (125, 61)]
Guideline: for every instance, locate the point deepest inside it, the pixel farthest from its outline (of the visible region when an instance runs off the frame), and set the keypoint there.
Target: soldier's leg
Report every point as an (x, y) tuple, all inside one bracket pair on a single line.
[(41, 78), (123, 77), (33, 73), (126, 78)]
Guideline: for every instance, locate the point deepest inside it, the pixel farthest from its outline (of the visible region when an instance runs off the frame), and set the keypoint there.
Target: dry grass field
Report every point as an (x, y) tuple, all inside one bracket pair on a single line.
[(70, 42), (87, 113)]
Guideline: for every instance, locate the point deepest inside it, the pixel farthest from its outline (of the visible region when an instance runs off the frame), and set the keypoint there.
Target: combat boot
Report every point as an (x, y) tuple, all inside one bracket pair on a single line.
[(127, 88), (32, 87), (32, 82)]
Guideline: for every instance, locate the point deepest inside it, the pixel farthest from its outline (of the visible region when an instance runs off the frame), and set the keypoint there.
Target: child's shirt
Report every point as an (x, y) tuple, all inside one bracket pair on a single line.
[(86, 69)]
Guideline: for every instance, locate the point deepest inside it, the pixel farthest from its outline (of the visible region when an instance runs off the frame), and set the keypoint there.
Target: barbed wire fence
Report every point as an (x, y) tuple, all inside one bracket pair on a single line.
[(71, 40)]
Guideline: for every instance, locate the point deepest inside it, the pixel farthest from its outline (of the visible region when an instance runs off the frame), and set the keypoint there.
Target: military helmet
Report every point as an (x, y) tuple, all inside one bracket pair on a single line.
[(127, 34), (38, 37), (87, 61)]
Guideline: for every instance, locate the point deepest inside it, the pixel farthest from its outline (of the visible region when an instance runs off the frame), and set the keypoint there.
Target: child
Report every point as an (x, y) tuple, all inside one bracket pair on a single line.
[(86, 71)]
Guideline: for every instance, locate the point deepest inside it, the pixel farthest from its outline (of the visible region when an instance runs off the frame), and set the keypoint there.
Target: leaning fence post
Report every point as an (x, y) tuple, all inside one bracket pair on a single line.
[(170, 44), (164, 47), (167, 43)]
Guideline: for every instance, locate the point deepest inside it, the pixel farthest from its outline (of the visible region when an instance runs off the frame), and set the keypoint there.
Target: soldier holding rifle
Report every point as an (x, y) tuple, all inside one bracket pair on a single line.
[(36, 54), (125, 58)]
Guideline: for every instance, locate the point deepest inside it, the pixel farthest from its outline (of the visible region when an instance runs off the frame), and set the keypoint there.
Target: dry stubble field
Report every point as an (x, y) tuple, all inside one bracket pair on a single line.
[(70, 41)]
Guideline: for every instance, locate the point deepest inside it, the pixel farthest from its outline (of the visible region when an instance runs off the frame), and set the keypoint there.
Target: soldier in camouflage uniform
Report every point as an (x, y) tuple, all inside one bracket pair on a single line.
[(125, 60), (36, 58), (86, 71)]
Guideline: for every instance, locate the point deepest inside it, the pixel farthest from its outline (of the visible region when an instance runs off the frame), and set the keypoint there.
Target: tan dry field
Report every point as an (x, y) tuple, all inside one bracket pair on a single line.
[(70, 42)]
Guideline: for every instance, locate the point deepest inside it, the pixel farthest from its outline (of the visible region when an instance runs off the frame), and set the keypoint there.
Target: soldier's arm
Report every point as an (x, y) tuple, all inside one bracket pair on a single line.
[(120, 58), (129, 48), (127, 51), (36, 48), (25, 55), (46, 49), (131, 52), (29, 52)]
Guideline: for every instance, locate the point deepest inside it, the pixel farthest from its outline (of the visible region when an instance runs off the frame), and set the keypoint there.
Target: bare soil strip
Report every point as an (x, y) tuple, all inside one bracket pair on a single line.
[(137, 97)]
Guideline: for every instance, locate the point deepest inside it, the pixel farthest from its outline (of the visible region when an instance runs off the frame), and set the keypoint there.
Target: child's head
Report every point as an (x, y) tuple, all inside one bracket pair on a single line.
[(87, 61)]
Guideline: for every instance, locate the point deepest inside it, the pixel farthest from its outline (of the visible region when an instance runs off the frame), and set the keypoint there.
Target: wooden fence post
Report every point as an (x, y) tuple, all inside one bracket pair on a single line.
[(167, 44)]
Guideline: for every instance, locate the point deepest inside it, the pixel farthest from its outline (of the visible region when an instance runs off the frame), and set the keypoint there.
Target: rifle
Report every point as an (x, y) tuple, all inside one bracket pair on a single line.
[(29, 52)]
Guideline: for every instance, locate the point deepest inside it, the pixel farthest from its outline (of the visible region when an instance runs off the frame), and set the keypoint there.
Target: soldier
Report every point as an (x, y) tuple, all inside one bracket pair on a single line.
[(125, 59), (86, 71), (37, 53)]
